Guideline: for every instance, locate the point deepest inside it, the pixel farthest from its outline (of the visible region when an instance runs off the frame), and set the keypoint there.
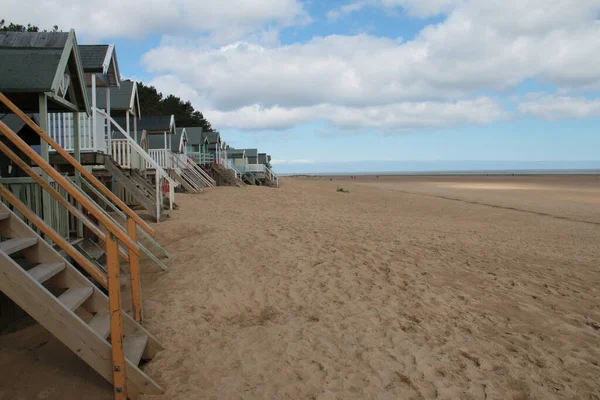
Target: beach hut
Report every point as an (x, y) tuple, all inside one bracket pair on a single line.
[(167, 146), (121, 161), (42, 218)]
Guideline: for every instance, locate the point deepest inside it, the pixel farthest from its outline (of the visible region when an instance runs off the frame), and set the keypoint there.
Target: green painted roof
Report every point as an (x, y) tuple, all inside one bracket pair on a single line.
[(28, 70), (195, 134), (93, 56), (120, 98), (30, 63)]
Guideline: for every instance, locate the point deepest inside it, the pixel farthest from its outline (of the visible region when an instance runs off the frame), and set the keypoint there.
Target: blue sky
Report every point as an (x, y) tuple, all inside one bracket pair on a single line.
[(321, 82)]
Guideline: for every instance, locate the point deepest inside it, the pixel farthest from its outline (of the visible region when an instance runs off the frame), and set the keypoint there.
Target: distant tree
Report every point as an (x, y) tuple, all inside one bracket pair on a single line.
[(152, 102), (12, 27)]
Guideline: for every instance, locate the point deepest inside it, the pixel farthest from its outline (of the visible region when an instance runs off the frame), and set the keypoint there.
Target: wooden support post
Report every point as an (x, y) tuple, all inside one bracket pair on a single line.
[(158, 195), (116, 319), (77, 156), (134, 273), (98, 144), (43, 109), (108, 124)]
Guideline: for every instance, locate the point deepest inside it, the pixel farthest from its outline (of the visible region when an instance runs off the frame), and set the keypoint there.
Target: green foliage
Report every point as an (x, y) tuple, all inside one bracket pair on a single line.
[(152, 102), (341, 190), (12, 27)]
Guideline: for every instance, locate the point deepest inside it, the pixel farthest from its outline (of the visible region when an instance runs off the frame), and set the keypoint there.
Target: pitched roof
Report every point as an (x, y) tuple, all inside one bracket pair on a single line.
[(120, 98), (30, 60), (101, 59), (37, 62), (92, 57), (213, 137), (251, 152), (236, 153), (195, 134)]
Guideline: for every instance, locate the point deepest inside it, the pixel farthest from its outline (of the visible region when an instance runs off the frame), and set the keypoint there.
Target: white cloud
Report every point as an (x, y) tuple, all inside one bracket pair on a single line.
[(224, 21), (367, 82), (397, 117), (552, 108)]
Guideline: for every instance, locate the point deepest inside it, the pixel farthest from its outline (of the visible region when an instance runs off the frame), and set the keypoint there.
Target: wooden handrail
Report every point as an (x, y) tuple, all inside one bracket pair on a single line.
[(57, 196), (84, 172), (55, 237), (67, 185)]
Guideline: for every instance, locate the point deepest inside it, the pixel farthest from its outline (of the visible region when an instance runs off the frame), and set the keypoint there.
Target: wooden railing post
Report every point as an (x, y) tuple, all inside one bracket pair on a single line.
[(134, 273), (116, 318)]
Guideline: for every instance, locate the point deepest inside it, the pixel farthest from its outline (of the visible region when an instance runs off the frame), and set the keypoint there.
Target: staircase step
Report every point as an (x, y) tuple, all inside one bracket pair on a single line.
[(43, 272), (134, 347), (92, 250), (101, 324), (75, 297), (11, 246), (4, 215)]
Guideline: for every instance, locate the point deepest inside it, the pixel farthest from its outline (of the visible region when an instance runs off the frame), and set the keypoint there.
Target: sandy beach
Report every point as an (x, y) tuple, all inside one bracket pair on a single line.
[(403, 288)]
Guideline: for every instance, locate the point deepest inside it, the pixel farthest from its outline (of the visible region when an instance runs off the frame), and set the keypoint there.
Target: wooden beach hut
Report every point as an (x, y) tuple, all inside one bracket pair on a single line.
[(44, 214)]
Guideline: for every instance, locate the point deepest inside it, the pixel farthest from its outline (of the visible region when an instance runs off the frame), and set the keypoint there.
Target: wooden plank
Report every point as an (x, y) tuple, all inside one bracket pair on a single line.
[(134, 272), (75, 297), (101, 324), (123, 180), (134, 348), (62, 200), (116, 319), (97, 275), (43, 272), (11, 246), (73, 332), (182, 181), (46, 139), (66, 184)]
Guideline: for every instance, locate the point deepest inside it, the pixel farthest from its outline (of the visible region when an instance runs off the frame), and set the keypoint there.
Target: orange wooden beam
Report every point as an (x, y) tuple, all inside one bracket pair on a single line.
[(68, 186), (54, 193), (116, 318), (134, 274), (84, 172)]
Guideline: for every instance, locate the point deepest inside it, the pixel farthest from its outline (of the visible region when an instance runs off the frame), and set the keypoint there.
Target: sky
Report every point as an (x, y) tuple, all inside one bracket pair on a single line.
[(364, 85)]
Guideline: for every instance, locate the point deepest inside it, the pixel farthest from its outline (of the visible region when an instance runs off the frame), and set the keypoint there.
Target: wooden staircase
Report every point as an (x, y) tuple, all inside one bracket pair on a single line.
[(141, 190), (227, 175), (184, 180), (69, 306)]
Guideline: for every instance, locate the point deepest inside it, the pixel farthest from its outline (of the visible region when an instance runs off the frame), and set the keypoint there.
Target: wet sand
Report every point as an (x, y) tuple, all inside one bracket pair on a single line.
[(404, 288)]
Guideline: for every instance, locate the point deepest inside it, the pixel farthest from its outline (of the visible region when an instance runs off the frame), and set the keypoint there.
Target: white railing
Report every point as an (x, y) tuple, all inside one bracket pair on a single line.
[(61, 129), (231, 165), (197, 171), (272, 175), (160, 173), (255, 168), (162, 157), (121, 153)]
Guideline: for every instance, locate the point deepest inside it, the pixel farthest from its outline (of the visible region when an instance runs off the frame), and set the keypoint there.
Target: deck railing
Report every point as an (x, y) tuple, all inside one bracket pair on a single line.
[(162, 157), (61, 128), (121, 153), (112, 236), (138, 152)]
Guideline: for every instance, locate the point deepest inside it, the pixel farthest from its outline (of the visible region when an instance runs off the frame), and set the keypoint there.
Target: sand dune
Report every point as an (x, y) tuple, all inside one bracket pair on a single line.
[(306, 293)]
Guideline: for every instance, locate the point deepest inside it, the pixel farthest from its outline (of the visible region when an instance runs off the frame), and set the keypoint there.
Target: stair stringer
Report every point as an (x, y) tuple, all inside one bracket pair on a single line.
[(177, 176), (143, 198), (35, 299)]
